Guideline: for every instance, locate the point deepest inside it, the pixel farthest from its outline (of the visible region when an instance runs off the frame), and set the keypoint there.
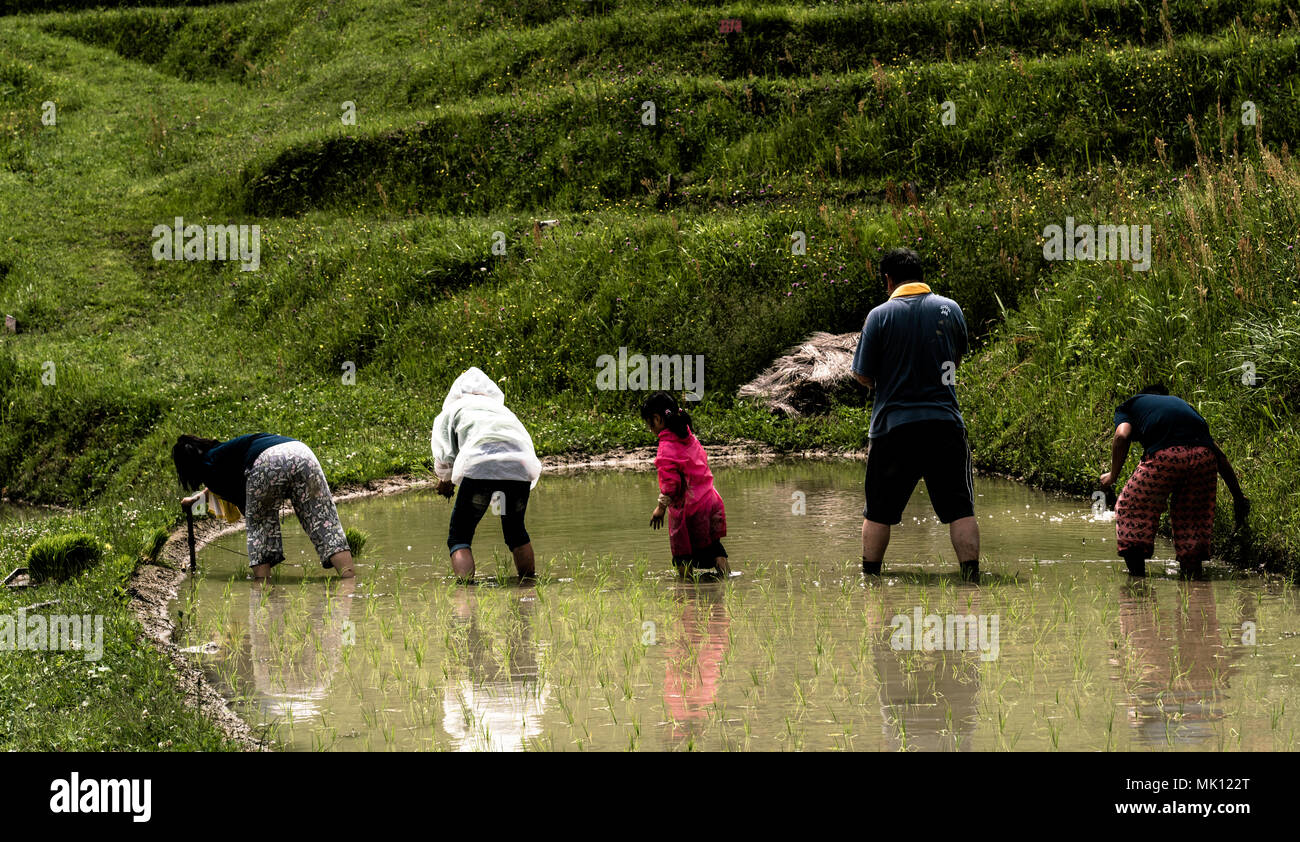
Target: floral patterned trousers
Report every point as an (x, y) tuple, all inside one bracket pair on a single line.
[(291, 472)]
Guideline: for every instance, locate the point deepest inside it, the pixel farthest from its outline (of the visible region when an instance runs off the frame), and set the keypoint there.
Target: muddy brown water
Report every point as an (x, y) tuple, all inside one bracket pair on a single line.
[(610, 650)]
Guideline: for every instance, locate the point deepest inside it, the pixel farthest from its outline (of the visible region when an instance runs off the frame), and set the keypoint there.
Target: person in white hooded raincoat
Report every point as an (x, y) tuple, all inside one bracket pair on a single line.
[(480, 446)]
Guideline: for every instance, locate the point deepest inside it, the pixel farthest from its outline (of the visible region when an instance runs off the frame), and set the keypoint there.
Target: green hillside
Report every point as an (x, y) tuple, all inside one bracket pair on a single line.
[(674, 235)]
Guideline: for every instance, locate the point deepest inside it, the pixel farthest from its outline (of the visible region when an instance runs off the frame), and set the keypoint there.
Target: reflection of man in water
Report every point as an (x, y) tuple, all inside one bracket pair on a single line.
[(694, 658), (291, 672), (1173, 663), (929, 700), (499, 706)]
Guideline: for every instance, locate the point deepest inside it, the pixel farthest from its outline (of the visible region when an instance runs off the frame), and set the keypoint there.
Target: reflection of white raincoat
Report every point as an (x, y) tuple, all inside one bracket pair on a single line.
[(476, 436), (494, 716)]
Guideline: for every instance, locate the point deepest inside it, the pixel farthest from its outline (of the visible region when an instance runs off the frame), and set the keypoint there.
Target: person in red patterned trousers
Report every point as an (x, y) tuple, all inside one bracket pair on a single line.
[(1180, 466)]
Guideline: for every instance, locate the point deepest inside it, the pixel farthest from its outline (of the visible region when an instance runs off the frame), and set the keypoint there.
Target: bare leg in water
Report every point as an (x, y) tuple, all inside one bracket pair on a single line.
[(875, 540), (342, 562), (462, 562), (964, 533)]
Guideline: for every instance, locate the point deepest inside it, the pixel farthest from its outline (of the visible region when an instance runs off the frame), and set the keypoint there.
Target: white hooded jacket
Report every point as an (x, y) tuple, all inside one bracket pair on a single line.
[(476, 436)]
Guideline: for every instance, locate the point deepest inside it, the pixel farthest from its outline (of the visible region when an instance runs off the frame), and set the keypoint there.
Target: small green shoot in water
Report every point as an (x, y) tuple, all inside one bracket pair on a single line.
[(357, 540)]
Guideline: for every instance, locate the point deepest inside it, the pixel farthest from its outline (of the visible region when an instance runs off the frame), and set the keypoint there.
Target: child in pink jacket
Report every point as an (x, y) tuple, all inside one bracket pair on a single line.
[(696, 517)]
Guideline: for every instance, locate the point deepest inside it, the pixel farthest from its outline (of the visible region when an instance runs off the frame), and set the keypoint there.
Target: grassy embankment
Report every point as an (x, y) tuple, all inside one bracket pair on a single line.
[(376, 240)]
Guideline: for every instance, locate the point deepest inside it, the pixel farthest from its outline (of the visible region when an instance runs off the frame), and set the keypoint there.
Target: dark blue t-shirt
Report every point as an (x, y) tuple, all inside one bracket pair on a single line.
[(1161, 421), (910, 347), (226, 465)]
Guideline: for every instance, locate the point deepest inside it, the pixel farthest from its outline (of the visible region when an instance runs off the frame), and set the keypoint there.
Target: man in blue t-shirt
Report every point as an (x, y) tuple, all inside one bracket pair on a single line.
[(908, 355), (1180, 467)]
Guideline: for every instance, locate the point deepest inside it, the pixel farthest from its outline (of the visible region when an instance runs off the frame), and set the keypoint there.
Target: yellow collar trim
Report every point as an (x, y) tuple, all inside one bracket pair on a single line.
[(914, 288)]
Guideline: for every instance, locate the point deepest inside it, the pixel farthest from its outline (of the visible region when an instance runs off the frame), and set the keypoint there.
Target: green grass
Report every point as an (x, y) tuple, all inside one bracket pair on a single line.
[(1214, 319), (60, 557), (377, 238), (60, 701), (852, 129)]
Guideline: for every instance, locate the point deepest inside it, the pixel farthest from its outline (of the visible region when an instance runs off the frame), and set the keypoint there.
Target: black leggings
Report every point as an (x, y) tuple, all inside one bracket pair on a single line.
[(472, 502)]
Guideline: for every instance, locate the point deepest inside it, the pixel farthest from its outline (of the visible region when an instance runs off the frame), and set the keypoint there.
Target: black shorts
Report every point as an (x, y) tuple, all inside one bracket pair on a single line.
[(473, 499), (703, 559), (934, 450)]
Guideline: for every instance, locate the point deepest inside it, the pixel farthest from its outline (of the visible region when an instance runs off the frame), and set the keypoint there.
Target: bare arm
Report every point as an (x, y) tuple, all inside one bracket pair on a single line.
[(1118, 454), (863, 357), (1228, 474), (1240, 503)]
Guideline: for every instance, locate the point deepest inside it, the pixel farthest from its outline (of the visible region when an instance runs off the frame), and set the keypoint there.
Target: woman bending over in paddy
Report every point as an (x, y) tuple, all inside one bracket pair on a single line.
[(480, 445), (253, 474)]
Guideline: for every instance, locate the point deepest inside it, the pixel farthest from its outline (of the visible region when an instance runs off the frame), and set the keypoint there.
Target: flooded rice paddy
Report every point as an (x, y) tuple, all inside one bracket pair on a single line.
[(610, 650)]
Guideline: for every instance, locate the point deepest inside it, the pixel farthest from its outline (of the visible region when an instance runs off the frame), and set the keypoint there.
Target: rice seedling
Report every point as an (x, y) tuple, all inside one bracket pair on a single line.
[(58, 557)]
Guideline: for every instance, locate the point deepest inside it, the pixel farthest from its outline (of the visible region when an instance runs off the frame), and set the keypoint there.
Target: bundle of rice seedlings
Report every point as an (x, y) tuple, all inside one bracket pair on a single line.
[(59, 557), (357, 539)]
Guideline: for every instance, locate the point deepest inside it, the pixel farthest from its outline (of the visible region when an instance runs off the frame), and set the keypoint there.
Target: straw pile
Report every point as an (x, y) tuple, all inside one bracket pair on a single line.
[(809, 377)]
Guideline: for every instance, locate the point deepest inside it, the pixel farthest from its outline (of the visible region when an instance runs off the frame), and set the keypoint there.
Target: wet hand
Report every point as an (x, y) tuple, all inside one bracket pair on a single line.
[(657, 517), (445, 488)]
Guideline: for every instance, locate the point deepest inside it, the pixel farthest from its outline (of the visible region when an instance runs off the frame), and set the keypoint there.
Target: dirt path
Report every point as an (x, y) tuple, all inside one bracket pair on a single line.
[(153, 587)]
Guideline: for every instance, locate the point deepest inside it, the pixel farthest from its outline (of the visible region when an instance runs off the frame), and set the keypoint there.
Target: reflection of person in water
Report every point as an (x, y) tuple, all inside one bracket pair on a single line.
[(291, 673), (929, 700), (499, 705), (1173, 663), (694, 658)]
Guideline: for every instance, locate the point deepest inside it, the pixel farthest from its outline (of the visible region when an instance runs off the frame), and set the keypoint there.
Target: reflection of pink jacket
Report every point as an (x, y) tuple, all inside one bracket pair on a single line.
[(684, 471), (695, 667)]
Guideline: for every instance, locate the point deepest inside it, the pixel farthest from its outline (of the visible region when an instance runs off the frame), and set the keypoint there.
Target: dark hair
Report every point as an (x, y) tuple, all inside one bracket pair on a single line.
[(675, 418), (901, 264), (188, 453), (1155, 389)]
